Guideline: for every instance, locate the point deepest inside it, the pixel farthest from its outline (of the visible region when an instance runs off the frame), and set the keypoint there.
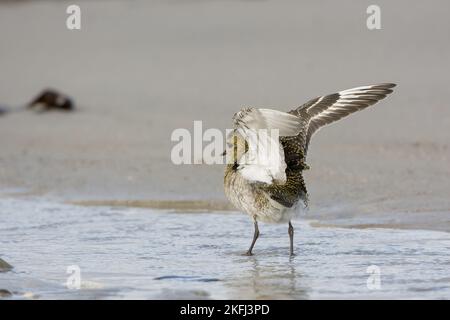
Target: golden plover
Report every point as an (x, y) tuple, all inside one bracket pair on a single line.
[(269, 185)]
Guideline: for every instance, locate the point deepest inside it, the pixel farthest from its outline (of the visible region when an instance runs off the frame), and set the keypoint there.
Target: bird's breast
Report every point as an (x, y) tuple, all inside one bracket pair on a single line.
[(250, 198)]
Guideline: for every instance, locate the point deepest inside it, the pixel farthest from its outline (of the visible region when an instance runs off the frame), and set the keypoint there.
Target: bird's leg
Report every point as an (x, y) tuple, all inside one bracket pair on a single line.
[(255, 237), (291, 238)]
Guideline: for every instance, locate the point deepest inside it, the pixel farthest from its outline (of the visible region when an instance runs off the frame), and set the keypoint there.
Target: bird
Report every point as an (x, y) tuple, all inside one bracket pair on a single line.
[(264, 171)]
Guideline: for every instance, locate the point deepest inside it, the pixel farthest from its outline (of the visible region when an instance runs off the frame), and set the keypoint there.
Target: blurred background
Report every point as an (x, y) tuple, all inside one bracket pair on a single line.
[(137, 70)]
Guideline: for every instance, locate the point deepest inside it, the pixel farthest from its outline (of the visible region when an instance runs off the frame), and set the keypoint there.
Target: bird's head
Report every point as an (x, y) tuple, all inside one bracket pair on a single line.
[(236, 146)]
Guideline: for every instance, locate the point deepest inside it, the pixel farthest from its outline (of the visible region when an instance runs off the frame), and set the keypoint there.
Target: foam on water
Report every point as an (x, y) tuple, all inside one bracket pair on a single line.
[(143, 253)]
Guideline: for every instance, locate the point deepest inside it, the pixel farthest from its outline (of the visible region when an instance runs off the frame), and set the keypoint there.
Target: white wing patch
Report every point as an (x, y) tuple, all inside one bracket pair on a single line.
[(264, 160), (255, 119), (261, 128)]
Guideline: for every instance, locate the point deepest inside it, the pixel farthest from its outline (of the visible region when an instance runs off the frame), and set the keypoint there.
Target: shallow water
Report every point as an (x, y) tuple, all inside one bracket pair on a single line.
[(144, 253)]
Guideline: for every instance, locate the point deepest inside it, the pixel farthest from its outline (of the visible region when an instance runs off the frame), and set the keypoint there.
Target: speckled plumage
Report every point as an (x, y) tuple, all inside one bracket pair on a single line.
[(271, 202)]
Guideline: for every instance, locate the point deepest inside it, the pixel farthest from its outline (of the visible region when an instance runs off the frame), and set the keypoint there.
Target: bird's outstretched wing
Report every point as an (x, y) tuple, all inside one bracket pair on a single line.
[(327, 109), (262, 128)]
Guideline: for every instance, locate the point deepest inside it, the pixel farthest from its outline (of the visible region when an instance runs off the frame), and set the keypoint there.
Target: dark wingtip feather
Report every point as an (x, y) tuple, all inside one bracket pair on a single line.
[(386, 85)]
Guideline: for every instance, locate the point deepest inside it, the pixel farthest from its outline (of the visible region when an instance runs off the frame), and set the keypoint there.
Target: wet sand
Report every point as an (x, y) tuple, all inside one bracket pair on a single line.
[(139, 70)]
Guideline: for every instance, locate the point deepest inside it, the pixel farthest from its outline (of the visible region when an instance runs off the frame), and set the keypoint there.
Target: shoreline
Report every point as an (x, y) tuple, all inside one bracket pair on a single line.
[(380, 220)]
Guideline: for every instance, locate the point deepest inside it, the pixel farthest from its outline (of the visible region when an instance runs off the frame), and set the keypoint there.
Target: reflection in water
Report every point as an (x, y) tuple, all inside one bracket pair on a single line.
[(269, 279)]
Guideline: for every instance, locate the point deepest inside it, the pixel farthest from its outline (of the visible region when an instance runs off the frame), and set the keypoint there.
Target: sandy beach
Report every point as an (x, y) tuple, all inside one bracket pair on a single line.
[(137, 70)]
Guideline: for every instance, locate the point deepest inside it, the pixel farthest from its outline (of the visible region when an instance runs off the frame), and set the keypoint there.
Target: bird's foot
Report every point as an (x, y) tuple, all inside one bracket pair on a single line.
[(248, 254)]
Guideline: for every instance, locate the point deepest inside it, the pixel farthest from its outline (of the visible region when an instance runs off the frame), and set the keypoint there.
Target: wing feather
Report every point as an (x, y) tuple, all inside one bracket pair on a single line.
[(256, 119), (327, 109), (264, 161)]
